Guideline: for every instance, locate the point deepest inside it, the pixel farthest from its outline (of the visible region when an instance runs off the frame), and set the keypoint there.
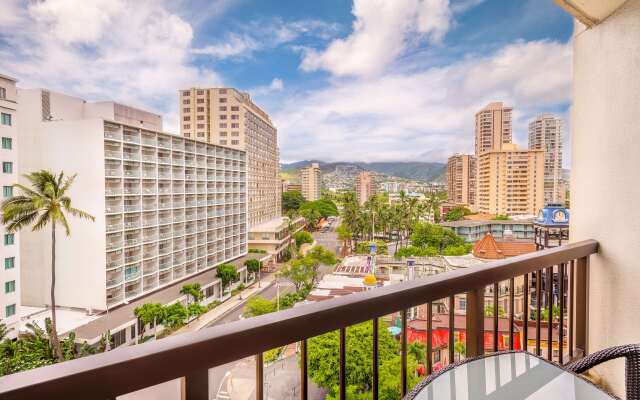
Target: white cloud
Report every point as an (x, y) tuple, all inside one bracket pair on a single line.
[(276, 84), (234, 46), (136, 52), (265, 34), (382, 31), (424, 115)]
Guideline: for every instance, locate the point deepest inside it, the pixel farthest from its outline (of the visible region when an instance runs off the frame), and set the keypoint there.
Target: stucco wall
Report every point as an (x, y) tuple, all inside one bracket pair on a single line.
[(605, 179)]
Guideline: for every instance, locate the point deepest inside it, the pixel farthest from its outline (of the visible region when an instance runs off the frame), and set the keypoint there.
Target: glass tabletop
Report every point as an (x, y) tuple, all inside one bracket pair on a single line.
[(512, 376)]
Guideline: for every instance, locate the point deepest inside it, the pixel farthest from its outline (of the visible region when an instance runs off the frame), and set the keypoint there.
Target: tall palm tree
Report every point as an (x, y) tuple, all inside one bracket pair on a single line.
[(45, 203)]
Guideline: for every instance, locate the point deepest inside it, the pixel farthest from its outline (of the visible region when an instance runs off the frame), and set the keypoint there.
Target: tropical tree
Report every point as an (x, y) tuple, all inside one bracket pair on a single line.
[(291, 201), (302, 237), (227, 274), (254, 266), (193, 291), (150, 313), (46, 202), (175, 315), (258, 305), (3, 331), (434, 201), (345, 235)]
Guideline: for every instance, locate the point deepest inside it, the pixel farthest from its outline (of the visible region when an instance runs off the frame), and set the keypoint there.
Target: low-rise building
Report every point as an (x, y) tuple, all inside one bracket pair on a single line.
[(472, 231), (275, 236)]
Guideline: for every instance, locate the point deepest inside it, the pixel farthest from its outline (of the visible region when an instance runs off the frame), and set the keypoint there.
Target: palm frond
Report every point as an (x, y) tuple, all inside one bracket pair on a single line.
[(80, 214), (67, 184), (20, 222), (44, 219), (65, 224), (26, 191)]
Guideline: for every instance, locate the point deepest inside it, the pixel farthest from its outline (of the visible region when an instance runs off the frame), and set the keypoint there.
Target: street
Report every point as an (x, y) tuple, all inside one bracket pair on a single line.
[(329, 239)]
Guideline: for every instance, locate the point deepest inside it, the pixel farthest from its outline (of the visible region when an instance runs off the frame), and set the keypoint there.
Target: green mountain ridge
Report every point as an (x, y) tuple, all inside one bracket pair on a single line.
[(416, 170)]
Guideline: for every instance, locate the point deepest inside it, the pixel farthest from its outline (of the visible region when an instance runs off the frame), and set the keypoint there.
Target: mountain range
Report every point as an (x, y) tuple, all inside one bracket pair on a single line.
[(415, 170)]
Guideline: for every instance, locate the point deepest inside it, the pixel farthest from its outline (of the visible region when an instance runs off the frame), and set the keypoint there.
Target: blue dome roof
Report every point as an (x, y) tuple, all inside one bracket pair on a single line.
[(553, 215)]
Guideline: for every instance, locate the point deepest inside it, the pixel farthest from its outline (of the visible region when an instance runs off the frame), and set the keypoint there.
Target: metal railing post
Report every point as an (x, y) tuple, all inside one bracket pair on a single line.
[(475, 322), (259, 376), (581, 306), (196, 385)]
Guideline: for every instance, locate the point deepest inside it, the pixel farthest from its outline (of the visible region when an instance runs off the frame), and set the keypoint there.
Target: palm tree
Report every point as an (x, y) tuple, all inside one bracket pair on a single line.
[(46, 202)]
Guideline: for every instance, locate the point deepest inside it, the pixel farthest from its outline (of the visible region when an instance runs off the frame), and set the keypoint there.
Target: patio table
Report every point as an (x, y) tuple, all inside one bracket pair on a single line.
[(506, 376)]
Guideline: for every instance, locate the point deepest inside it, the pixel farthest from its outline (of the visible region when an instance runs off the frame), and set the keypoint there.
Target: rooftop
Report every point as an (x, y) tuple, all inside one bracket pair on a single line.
[(489, 248)]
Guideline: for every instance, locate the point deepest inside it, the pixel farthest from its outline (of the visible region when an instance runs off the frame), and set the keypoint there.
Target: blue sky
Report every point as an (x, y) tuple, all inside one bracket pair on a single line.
[(361, 80)]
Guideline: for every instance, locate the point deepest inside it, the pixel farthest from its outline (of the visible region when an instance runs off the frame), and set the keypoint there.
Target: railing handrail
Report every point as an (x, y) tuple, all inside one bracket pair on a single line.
[(113, 373)]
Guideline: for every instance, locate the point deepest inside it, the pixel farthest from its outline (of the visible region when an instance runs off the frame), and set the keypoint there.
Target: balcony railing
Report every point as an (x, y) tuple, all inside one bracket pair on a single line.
[(191, 355)]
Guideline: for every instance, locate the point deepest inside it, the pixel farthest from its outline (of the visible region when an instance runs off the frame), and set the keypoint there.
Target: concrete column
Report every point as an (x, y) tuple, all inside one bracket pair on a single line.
[(605, 177)]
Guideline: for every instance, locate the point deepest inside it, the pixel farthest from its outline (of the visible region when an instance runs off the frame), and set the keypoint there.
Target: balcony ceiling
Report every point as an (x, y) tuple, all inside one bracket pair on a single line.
[(590, 12)]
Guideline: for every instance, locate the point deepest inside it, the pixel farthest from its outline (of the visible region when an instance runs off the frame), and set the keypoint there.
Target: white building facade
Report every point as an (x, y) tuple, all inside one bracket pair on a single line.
[(166, 207), (9, 253), (545, 133)]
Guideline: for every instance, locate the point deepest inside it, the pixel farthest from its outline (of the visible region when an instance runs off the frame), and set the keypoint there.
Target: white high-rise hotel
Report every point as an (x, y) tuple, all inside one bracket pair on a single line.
[(545, 133), (9, 253), (166, 207)]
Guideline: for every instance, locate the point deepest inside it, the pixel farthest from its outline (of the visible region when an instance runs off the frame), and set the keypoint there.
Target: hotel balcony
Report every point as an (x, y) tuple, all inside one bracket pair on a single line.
[(595, 293), (112, 133), (164, 142), (148, 139), (131, 136)]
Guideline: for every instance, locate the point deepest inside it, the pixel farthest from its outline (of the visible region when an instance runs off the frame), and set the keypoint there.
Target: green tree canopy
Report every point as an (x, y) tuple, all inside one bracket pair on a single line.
[(292, 200), (258, 305), (324, 362), (175, 315), (433, 235), (365, 247), (227, 274), (324, 207), (457, 214), (302, 237), (149, 313), (253, 265), (193, 291)]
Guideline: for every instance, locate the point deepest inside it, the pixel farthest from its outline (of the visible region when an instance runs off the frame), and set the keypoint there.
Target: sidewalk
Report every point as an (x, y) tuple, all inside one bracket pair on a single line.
[(229, 305)]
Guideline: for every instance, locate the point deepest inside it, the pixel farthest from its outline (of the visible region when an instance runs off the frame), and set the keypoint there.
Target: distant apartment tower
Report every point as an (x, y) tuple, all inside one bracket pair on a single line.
[(166, 207), (493, 127), (228, 117), (461, 180), (545, 133), (510, 181), (10, 254), (310, 181), (365, 186)]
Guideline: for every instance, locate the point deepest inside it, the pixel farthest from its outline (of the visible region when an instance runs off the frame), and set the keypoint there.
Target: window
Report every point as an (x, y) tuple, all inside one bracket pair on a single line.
[(5, 119), (7, 167), (199, 101), (7, 191), (9, 310), (200, 126), (200, 92), (235, 133), (223, 117), (235, 116), (3, 93), (222, 100), (186, 93), (186, 126), (186, 101), (118, 338), (223, 142), (9, 239), (187, 135), (186, 118), (235, 108), (9, 263), (223, 108), (200, 118), (6, 143), (223, 125), (10, 287), (235, 125), (223, 133), (186, 109), (200, 134), (235, 142), (200, 109), (463, 304)]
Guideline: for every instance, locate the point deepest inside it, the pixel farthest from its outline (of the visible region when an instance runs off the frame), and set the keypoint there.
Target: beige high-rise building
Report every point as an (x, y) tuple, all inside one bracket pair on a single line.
[(310, 181), (493, 127), (510, 181), (228, 117), (365, 186), (545, 133), (461, 179)]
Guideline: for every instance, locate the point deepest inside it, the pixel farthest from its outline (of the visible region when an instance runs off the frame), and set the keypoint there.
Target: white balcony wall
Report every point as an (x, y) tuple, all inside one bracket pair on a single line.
[(605, 126)]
